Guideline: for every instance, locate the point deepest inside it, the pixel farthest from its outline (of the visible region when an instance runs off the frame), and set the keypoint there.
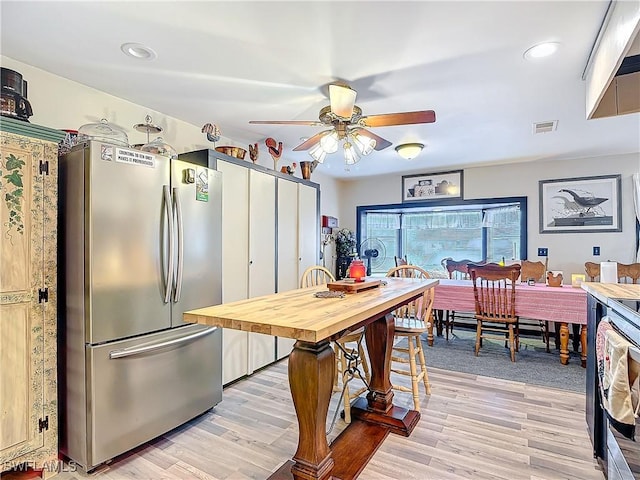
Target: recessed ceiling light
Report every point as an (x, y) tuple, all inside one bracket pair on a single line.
[(541, 50), (139, 51)]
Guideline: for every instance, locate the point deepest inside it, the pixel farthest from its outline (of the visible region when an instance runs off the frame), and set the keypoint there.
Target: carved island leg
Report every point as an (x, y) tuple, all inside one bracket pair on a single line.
[(311, 373), (378, 407), (564, 343)]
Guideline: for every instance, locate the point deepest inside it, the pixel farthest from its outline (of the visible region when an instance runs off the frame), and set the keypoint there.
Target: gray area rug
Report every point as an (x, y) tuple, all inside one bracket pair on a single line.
[(533, 365)]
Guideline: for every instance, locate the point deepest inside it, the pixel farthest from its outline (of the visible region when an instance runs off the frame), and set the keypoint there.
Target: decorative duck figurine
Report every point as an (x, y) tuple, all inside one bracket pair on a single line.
[(276, 152), (212, 131), (289, 169), (253, 152)]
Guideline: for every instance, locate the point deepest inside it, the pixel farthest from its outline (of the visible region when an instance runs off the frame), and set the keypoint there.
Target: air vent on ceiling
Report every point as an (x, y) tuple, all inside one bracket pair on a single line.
[(544, 127)]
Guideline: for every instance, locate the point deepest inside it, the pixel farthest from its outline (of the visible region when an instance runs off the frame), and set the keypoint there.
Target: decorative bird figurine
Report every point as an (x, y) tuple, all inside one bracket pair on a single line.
[(290, 169), (276, 153), (253, 152), (212, 131), (585, 202)]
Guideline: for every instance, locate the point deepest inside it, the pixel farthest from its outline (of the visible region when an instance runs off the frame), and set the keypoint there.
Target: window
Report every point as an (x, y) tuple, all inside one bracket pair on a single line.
[(488, 229)]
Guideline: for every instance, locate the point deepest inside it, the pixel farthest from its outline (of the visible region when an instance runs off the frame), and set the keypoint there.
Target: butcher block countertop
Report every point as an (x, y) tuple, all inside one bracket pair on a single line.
[(605, 291), (299, 314)]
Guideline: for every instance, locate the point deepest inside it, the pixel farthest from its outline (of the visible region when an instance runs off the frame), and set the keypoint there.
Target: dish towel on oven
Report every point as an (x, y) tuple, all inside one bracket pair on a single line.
[(616, 378)]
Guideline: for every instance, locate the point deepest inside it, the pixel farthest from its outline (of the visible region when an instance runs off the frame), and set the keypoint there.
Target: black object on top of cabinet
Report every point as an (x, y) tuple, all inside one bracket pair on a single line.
[(14, 95)]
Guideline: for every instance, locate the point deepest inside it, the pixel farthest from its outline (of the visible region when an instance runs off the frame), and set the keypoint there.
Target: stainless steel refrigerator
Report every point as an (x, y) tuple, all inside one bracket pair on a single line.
[(140, 244)]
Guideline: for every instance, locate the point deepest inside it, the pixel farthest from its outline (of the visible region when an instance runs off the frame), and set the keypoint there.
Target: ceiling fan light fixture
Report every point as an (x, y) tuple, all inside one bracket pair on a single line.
[(409, 151), (350, 154), (317, 153), (329, 143), (366, 145), (342, 99)]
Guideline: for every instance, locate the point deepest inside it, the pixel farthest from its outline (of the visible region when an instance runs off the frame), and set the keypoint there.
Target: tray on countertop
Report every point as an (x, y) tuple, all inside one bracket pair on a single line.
[(350, 286)]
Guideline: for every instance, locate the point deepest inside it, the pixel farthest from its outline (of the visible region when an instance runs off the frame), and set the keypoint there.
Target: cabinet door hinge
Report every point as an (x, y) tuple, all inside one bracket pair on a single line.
[(43, 424), (43, 295), (44, 167)]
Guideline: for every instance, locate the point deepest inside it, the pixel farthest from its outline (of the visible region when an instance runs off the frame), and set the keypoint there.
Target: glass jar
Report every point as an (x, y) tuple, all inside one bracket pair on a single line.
[(357, 270)]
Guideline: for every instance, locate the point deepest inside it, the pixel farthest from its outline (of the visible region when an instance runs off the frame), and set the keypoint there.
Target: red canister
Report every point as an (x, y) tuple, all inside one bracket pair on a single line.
[(357, 270)]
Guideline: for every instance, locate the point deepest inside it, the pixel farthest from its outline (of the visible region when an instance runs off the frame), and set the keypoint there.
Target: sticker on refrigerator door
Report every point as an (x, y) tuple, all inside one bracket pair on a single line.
[(202, 184), (106, 153), (134, 157)]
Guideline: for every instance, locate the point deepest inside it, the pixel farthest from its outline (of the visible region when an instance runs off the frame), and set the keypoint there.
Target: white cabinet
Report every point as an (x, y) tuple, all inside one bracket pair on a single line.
[(262, 253), (298, 240), (235, 264), (270, 224)]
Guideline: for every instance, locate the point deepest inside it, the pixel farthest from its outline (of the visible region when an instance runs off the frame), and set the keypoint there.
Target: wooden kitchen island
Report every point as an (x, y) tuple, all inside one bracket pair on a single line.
[(314, 323)]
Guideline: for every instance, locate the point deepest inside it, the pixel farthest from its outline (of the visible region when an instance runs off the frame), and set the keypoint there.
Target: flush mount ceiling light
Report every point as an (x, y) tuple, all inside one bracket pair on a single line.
[(138, 51), (409, 150), (541, 50)]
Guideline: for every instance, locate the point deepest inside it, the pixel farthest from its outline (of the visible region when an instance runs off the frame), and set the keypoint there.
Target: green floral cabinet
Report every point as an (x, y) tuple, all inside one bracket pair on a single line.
[(28, 246)]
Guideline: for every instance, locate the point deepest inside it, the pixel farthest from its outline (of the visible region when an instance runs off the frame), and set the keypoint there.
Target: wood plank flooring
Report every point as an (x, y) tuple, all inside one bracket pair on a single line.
[(472, 427)]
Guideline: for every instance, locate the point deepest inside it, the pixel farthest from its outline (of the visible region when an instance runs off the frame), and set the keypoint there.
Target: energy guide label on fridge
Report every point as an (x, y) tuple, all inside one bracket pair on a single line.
[(135, 158)]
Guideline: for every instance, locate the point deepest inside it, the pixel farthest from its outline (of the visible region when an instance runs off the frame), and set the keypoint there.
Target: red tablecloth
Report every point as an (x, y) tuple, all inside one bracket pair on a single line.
[(540, 302)]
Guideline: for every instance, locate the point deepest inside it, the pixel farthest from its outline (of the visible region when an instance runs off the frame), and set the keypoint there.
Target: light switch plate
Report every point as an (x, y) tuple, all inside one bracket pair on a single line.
[(543, 252), (596, 251)]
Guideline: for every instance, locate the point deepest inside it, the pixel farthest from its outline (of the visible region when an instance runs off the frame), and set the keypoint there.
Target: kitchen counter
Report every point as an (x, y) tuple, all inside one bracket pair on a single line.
[(313, 322), (618, 304), (605, 291)]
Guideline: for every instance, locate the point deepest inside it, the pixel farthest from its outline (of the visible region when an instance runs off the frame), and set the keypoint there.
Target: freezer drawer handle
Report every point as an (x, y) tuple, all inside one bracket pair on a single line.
[(128, 352)]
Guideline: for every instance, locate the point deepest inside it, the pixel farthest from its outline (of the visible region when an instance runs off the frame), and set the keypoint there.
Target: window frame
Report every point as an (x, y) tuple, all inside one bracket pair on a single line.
[(446, 204)]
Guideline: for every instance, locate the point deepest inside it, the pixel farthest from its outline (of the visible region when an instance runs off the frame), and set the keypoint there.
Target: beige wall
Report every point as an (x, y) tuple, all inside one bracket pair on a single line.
[(61, 103), (567, 251)]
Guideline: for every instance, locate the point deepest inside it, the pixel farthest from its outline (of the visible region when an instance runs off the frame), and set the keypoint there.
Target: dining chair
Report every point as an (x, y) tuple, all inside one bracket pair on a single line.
[(411, 321), (401, 261), (537, 271), (628, 272), (457, 270), (592, 270), (494, 291), (349, 351)]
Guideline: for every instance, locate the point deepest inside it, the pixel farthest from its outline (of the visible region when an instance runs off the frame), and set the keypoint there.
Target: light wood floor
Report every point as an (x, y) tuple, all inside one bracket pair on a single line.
[(472, 427)]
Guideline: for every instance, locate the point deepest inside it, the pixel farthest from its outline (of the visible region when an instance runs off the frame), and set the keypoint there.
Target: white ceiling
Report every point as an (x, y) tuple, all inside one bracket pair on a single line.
[(231, 62)]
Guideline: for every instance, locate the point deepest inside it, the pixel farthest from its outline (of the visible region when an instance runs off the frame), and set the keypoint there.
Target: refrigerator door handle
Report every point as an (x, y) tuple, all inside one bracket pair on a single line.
[(169, 214), (128, 352), (180, 225)]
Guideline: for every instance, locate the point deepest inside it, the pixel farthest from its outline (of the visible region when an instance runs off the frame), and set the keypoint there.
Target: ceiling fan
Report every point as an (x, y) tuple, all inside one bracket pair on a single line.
[(347, 123)]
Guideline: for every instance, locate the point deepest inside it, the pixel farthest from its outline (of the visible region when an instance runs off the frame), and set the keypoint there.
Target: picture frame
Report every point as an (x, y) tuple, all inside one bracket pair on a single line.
[(432, 186), (581, 204)]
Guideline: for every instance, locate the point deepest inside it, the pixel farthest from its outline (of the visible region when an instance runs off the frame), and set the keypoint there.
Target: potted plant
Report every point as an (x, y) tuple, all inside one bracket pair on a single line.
[(345, 251)]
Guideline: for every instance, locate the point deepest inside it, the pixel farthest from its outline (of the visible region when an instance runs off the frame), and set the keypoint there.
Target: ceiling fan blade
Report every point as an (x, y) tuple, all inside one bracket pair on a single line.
[(342, 99), (402, 118), (381, 143), (312, 123), (311, 141)]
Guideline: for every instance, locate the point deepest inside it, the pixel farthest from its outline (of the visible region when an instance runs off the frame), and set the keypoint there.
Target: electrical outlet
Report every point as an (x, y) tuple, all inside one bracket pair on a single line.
[(596, 251), (543, 252)]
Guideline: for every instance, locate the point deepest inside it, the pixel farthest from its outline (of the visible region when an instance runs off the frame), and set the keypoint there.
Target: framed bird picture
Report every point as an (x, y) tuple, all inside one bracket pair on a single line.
[(582, 204)]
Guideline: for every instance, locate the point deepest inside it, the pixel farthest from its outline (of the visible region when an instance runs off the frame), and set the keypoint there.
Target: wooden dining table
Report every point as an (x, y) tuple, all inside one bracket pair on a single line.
[(315, 322), (564, 305)]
